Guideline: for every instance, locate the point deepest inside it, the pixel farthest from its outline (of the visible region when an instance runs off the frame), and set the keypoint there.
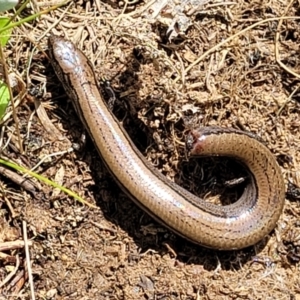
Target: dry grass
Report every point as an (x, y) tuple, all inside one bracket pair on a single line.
[(221, 71)]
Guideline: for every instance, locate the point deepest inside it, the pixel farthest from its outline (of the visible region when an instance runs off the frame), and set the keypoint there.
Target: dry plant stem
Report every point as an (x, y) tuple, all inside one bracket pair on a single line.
[(18, 179), (213, 49), (47, 3), (70, 150), (287, 100), (28, 260), (1, 138), (11, 99), (12, 273), (45, 180), (3, 255), (16, 104), (18, 281), (139, 12), (36, 43), (45, 121), (12, 245), (54, 24), (170, 249), (181, 68), (12, 212), (277, 55), (104, 227), (118, 19), (193, 10)]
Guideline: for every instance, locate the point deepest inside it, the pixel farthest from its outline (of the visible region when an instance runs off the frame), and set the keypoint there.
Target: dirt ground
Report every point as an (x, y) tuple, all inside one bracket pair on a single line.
[(232, 64)]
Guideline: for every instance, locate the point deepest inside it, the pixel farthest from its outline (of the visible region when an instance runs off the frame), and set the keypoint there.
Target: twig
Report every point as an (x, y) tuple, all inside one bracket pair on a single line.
[(13, 245), (11, 99), (12, 273), (28, 260)]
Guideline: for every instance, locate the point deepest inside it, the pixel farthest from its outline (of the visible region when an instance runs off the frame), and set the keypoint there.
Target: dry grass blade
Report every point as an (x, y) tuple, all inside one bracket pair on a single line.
[(28, 261)]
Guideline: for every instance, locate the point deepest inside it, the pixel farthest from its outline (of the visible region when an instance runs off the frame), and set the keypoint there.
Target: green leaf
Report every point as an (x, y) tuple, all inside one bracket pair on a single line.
[(7, 4), (45, 180), (4, 98), (5, 35)]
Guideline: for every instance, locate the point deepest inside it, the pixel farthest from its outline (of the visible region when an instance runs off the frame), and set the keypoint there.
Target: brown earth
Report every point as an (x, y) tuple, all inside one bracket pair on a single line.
[(117, 251)]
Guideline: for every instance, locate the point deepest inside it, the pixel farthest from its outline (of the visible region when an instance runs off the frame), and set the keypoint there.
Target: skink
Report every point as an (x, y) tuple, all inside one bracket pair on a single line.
[(234, 226)]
